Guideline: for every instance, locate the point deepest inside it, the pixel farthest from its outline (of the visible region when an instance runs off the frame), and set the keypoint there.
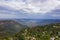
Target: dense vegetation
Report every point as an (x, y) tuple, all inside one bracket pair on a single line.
[(40, 33), (45, 32)]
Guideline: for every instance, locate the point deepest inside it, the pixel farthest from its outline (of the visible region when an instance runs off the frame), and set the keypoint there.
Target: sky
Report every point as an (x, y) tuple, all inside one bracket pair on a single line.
[(30, 9)]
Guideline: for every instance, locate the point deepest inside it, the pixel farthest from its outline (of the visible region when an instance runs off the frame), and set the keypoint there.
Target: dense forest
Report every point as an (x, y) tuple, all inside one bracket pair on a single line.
[(44, 32)]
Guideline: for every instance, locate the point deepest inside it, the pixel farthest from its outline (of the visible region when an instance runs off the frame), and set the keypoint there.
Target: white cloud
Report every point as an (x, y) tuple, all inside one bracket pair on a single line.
[(31, 6)]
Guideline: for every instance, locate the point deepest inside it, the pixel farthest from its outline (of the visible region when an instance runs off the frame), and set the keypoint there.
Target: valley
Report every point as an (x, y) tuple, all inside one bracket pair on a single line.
[(14, 30)]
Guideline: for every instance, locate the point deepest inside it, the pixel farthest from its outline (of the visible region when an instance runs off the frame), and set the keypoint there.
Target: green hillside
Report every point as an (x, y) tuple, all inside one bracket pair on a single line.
[(40, 33), (9, 28)]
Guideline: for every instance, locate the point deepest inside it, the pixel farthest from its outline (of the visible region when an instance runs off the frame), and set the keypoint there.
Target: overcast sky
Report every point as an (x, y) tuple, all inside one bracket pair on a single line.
[(30, 9)]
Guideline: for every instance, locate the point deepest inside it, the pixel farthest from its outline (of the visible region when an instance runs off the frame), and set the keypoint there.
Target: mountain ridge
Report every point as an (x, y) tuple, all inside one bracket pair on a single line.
[(9, 27)]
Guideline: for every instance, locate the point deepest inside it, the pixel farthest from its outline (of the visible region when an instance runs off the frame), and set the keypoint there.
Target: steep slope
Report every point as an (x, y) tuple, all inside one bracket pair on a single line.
[(40, 32), (9, 27)]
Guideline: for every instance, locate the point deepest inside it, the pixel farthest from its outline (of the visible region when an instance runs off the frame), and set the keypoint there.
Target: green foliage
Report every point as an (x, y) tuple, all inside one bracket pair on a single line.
[(44, 32), (39, 32)]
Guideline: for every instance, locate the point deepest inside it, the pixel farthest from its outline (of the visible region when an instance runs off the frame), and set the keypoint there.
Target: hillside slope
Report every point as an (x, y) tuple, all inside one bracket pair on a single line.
[(44, 32), (9, 27)]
